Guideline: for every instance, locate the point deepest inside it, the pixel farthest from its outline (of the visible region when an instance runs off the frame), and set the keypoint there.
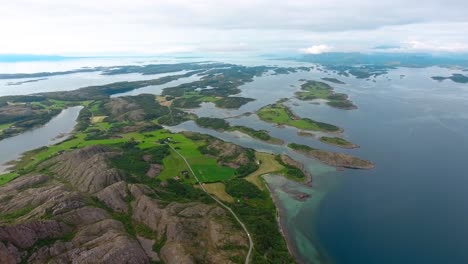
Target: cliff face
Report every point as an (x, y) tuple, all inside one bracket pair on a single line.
[(81, 210)]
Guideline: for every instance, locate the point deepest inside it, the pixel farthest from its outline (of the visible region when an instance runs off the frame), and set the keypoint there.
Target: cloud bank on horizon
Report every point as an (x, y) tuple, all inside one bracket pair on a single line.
[(138, 27)]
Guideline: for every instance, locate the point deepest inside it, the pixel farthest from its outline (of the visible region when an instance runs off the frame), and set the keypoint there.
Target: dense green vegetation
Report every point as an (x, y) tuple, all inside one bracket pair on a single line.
[(340, 142), (282, 115), (320, 90), (194, 100), (10, 217), (133, 160), (218, 82), (232, 102), (257, 211), (20, 113), (258, 134), (290, 171), (213, 123), (240, 188), (221, 124), (301, 147)]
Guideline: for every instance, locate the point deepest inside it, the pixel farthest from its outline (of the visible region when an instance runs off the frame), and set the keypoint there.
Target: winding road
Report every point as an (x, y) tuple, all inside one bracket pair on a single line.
[(251, 244)]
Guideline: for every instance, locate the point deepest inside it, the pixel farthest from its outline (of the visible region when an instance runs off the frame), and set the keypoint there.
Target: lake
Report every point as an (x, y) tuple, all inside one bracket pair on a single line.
[(53, 132)]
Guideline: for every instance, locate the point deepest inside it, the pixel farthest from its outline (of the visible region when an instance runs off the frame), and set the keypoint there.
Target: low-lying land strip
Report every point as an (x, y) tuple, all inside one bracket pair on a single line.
[(223, 125), (333, 80), (339, 142), (332, 158), (280, 114), (268, 164)]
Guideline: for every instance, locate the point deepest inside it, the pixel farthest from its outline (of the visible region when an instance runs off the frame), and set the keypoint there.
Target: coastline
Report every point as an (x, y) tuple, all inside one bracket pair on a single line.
[(303, 245), (280, 211)]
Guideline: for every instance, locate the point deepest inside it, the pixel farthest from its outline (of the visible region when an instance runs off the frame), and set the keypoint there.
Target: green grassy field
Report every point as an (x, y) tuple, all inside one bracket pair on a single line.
[(282, 115), (5, 178), (206, 168), (314, 90)]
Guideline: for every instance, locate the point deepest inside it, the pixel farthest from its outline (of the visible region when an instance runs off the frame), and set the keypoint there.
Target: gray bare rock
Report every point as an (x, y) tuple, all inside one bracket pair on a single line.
[(123, 109), (9, 254), (102, 242), (114, 196), (83, 216), (137, 190), (25, 235), (147, 245), (175, 253), (194, 232), (22, 183), (87, 169), (154, 170), (37, 196)]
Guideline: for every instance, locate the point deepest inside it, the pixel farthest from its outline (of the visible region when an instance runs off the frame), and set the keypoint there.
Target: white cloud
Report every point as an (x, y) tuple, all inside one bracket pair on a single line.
[(149, 27), (316, 49), (435, 46)]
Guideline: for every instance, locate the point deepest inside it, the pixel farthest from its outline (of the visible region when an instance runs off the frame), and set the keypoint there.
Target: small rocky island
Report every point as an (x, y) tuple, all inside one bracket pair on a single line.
[(333, 158)]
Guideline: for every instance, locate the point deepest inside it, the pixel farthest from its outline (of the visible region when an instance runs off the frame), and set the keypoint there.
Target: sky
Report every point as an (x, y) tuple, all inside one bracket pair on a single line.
[(148, 27)]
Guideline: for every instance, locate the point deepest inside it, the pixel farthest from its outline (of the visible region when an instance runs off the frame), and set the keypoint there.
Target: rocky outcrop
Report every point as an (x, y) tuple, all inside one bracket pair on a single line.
[(124, 109), (227, 151), (87, 169), (147, 245), (30, 197), (102, 242), (81, 213), (154, 170), (9, 254), (291, 162), (333, 158), (27, 234), (194, 232), (114, 196)]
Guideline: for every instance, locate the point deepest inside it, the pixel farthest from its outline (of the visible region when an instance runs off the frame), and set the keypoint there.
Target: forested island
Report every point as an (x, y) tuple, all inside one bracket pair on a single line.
[(311, 90), (280, 114)]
